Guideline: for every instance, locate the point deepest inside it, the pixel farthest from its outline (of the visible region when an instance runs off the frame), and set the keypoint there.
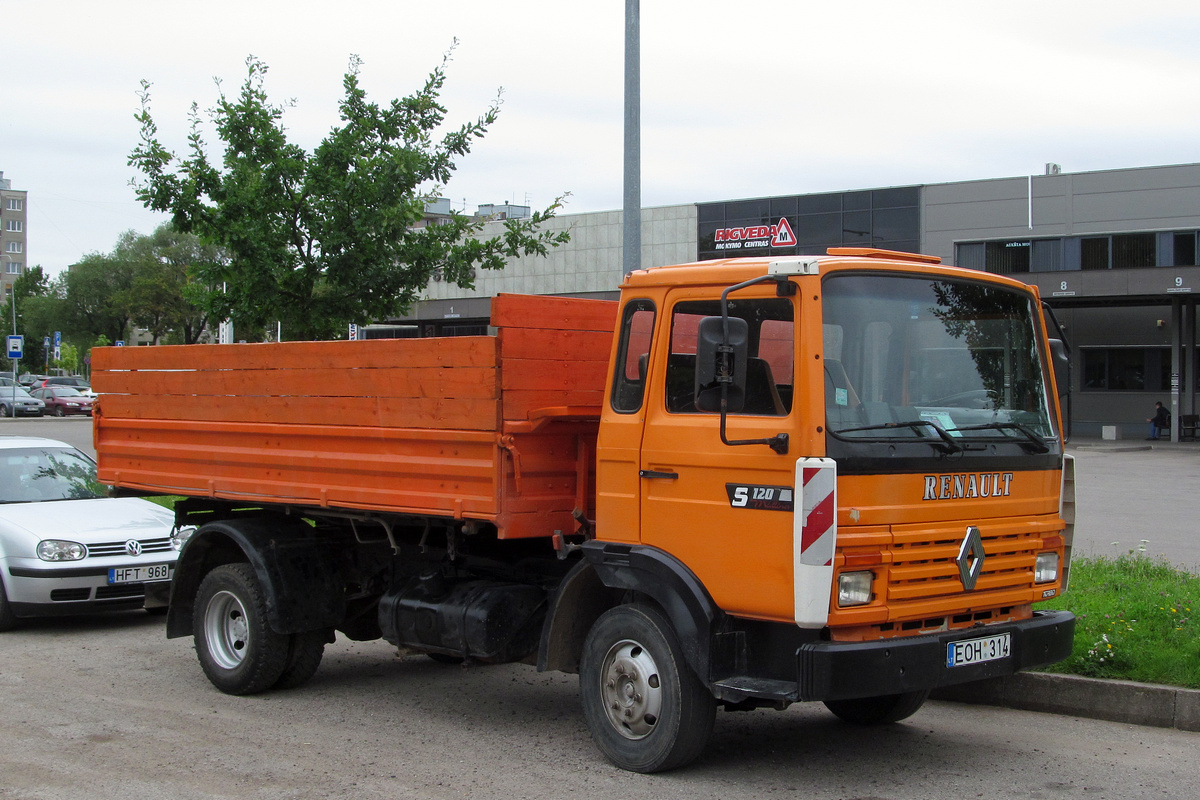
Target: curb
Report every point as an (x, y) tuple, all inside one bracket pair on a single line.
[(1115, 701)]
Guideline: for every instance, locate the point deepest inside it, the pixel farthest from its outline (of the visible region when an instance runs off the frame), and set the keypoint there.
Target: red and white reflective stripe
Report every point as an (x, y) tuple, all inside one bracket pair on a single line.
[(815, 539), (818, 532)]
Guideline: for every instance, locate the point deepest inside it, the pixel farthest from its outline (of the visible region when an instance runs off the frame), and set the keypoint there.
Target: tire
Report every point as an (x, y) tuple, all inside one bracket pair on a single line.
[(237, 649), (646, 710), (878, 710), (59, 411), (8, 620), (4, 412), (304, 656)]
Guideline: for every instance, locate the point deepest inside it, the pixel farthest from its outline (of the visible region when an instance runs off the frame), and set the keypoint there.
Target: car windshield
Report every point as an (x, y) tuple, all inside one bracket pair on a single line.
[(41, 474), (64, 391), (932, 359)]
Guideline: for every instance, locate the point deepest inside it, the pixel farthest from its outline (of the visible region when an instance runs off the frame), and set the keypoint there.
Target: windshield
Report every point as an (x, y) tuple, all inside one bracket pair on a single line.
[(910, 357), (38, 474)]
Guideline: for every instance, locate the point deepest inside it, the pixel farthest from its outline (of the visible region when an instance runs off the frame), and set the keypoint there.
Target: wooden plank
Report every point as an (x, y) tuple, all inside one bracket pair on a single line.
[(388, 412), (553, 313), (565, 345), (518, 403), (554, 375), (475, 351), (433, 382)]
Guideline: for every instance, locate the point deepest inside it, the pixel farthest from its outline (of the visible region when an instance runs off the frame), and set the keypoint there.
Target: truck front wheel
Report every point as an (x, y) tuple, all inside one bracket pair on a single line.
[(238, 650), (878, 710), (646, 710)]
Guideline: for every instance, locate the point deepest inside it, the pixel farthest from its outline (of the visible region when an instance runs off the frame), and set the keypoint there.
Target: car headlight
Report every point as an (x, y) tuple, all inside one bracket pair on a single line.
[(854, 588), (1046, 568), (59, 550), (179, 536)]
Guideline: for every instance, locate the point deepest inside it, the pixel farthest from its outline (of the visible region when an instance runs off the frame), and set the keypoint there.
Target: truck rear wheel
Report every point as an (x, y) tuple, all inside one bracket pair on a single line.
[(304, 656), (238, 650), (878, 710), (646, 710)]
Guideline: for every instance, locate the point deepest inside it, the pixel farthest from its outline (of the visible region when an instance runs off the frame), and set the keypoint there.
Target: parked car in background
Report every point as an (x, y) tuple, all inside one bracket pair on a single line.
[(16, 402), (78, 381), (63, 400), (65, 547)]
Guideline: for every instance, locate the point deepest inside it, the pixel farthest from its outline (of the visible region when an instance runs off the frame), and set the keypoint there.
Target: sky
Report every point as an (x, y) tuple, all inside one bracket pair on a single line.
[(748, 99)]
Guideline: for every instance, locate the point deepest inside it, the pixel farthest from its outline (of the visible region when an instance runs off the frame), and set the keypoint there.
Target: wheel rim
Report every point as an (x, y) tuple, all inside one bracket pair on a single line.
[(632, 689), (225, 630)]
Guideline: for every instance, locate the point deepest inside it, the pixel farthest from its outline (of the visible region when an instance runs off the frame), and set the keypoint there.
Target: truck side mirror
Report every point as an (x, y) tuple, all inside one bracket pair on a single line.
[(721, 360), (1060, 362)]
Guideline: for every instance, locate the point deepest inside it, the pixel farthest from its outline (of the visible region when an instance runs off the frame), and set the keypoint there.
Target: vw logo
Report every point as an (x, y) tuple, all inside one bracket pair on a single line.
[(970, 558), (133, 547)]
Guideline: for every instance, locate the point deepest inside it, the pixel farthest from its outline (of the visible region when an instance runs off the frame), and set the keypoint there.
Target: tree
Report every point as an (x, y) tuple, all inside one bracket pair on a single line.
[(27, 289), (317, 240), (159, 293)]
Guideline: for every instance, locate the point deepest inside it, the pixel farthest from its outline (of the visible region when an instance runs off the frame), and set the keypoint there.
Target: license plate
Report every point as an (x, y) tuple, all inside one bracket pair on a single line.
[(977, 651), (147, 574)]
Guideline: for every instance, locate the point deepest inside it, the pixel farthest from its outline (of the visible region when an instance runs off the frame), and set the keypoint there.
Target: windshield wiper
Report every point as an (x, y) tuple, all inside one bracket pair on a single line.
[(1031, 440), (948, 443)]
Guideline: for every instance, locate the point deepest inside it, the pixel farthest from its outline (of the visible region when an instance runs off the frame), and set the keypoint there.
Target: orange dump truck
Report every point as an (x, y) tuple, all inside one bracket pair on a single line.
[(836, 478)]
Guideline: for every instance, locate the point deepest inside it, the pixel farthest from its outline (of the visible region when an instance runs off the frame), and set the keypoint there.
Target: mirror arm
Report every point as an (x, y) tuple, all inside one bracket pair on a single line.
[(778, 442)]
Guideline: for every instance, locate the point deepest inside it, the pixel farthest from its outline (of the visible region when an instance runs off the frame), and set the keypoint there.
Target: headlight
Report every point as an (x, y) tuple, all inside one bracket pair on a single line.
[(179, 536), (854, 588), (58, 550), (1046, 569)]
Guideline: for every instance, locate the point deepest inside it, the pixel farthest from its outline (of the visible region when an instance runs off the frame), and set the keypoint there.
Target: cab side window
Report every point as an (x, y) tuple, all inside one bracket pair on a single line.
[(769, 371), (633, 355)]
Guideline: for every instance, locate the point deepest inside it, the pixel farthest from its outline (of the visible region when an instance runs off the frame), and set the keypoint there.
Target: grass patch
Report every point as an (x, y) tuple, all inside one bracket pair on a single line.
[(1138, 619)]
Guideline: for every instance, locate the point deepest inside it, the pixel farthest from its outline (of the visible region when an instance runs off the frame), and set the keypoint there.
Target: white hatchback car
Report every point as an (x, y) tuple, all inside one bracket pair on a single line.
[(67, 548)]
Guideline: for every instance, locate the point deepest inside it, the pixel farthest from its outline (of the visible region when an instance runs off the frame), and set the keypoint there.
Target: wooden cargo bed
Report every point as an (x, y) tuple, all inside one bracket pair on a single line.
[(498, 428)]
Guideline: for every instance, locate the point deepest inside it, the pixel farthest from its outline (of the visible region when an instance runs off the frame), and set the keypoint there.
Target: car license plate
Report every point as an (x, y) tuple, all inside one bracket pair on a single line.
[(146, 574), (977, 651)]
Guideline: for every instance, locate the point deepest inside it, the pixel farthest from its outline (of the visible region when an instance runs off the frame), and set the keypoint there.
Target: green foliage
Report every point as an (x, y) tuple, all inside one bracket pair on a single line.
[(1136, 620), (322, 239)]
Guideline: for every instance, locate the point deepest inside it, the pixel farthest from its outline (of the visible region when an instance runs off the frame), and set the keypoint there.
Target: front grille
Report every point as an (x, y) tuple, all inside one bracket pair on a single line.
[(162, 545), (120, 591), (924, 580), (57, 595)]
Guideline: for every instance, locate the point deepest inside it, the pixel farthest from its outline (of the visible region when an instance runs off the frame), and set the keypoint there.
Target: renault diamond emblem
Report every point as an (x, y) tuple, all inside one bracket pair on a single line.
[(970, 558), (133, 547)]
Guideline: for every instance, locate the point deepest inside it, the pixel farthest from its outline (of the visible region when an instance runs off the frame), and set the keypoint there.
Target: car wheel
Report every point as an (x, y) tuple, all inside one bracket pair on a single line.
[(304, 656), (7, 619), (59, 411), (878, 710), (4, 411), (646, 710), (237, 649)]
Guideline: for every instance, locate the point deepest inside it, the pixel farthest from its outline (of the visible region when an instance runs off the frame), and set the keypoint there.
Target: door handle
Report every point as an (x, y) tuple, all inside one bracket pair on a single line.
[(652, 473)]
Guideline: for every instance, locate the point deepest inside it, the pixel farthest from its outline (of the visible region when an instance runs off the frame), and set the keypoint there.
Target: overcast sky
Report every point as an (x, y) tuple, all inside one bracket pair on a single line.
[(739, 99)]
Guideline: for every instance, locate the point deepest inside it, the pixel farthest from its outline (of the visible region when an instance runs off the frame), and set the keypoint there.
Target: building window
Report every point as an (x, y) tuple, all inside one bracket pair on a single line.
[(1006, 258), (16, 204), (14, 247), (14, 225), (1133, 251), (14, 267), (1185, 249), (1127, 369), (1093, 253)]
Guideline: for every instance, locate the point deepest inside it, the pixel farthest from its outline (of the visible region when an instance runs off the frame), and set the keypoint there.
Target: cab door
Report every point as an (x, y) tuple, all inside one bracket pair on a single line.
[(725, 511)]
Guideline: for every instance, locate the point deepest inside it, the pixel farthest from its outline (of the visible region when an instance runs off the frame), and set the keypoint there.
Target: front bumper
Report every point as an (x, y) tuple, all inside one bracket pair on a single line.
[(60, 591), (846, 670)]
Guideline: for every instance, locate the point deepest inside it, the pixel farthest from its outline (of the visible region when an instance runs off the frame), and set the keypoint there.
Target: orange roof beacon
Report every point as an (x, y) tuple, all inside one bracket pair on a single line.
[(750, 482)]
